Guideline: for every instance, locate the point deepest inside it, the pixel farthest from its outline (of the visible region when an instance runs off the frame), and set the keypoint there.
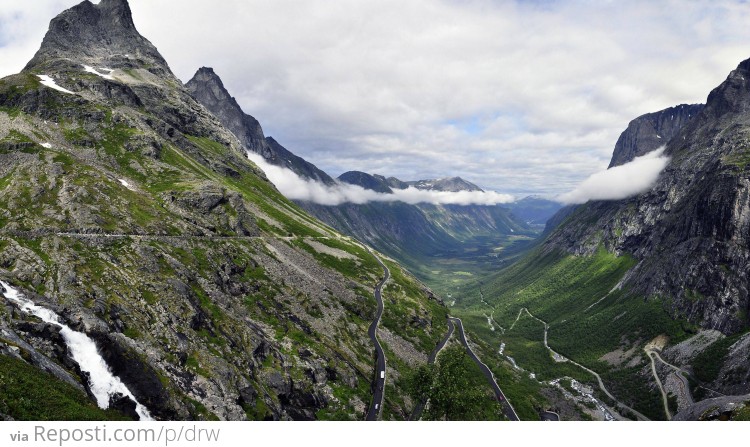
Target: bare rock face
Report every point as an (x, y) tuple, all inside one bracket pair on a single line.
[(651, 131), (691, 231), (124, 405), (103, 34)]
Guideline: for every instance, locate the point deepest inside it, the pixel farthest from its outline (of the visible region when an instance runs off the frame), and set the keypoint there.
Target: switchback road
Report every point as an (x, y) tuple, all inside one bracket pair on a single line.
[(560, 357), (378, 392)]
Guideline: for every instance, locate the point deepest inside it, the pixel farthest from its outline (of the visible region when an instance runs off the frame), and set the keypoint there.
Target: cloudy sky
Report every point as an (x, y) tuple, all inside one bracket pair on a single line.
[(517, 96)]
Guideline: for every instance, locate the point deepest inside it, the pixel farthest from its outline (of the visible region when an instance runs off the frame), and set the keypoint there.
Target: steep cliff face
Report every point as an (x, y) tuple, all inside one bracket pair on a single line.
[(651, 131), (130, 210), (690, 232), (208, 89), (664, 271)]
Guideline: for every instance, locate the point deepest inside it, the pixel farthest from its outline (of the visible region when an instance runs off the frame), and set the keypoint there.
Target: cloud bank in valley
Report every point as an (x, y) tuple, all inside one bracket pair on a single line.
[(619, 182), (296, 188)]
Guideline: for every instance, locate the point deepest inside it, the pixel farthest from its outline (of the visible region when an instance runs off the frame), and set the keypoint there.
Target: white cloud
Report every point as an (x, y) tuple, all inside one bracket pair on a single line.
[(621, 181), (388, 86), (297, 188)]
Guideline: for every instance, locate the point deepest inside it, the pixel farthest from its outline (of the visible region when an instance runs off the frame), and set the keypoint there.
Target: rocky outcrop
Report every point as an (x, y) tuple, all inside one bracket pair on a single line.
[(651, 131), (50, 339), (140, 377), (124, 405)]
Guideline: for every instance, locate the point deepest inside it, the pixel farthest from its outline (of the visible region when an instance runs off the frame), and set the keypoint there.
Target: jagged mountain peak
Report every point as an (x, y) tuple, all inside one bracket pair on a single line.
[(101, 34), (209, 87), (209, 90), (721, 126), (207, 76)]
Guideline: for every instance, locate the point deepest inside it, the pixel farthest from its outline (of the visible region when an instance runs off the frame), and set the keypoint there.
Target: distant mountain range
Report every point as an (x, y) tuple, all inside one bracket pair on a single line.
[(411, 233)]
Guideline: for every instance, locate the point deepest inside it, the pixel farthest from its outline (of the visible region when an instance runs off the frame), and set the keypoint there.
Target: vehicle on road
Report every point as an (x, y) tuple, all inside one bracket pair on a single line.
[(382, 374)]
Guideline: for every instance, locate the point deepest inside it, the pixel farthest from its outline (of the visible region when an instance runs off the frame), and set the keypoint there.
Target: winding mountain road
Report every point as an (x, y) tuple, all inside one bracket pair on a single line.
[(559, 357), (664, 399), (378, 386), (680, 373), (416, 414), (508, 409)]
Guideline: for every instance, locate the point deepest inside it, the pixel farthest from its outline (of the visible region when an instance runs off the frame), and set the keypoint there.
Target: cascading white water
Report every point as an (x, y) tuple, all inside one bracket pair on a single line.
[(83, 350)]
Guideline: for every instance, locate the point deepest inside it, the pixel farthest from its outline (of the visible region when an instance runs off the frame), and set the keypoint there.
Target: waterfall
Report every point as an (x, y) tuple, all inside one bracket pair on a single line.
[(83, 350)]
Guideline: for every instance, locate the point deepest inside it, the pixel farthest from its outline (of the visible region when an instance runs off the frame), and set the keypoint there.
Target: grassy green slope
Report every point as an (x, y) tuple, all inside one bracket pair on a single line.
[(588, 317), (253, 266), (23, 388)]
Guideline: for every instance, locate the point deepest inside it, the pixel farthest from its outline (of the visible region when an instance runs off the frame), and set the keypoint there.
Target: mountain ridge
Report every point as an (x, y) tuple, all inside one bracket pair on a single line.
[(379, 183), (208, 89), (714, 206)]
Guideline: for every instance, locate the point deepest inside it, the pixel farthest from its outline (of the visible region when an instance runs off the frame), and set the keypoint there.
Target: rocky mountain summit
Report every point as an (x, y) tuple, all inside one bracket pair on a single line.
[(375, 182), (133, 213), (102, 34)]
